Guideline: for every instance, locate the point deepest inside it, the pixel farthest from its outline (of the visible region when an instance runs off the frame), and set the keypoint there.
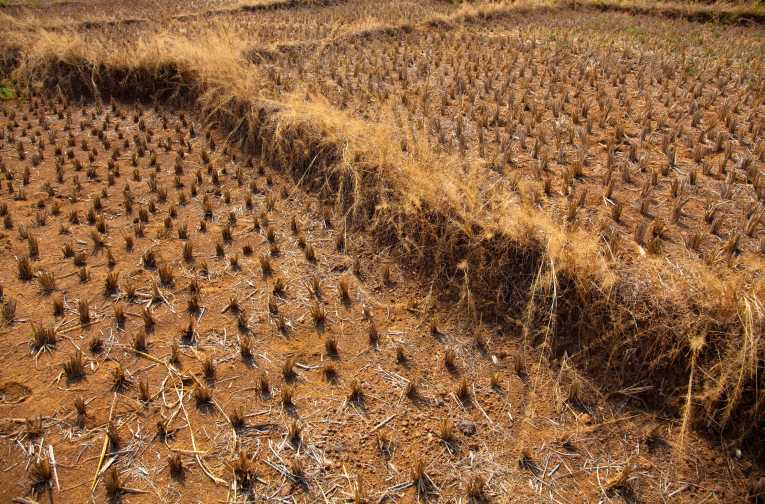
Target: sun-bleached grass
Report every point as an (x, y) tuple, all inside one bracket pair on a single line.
[(211, 69)]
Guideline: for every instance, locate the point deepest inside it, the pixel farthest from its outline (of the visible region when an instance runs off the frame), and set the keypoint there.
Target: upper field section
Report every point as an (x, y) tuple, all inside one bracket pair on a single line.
[(257, 22), (644, 128)]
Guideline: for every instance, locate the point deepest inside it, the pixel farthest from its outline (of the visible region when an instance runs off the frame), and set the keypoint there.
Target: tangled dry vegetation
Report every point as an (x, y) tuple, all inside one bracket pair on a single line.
[(194, 224)]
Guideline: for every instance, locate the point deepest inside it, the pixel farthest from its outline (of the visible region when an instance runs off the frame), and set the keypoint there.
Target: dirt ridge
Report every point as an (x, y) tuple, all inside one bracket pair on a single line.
[(275, 5), (703, 13)]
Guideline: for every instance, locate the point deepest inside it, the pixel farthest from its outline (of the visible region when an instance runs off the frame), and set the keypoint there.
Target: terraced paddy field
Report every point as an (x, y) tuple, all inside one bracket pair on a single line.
[(352, 251)]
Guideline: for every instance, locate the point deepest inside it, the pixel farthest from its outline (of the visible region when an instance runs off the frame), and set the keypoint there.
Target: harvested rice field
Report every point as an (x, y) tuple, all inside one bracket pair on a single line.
[(355, 251)]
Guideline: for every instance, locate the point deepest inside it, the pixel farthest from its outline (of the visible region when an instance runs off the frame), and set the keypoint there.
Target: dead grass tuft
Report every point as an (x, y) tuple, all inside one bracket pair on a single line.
[(43, 337), (41, 475), (74, 368), (176, 467)]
